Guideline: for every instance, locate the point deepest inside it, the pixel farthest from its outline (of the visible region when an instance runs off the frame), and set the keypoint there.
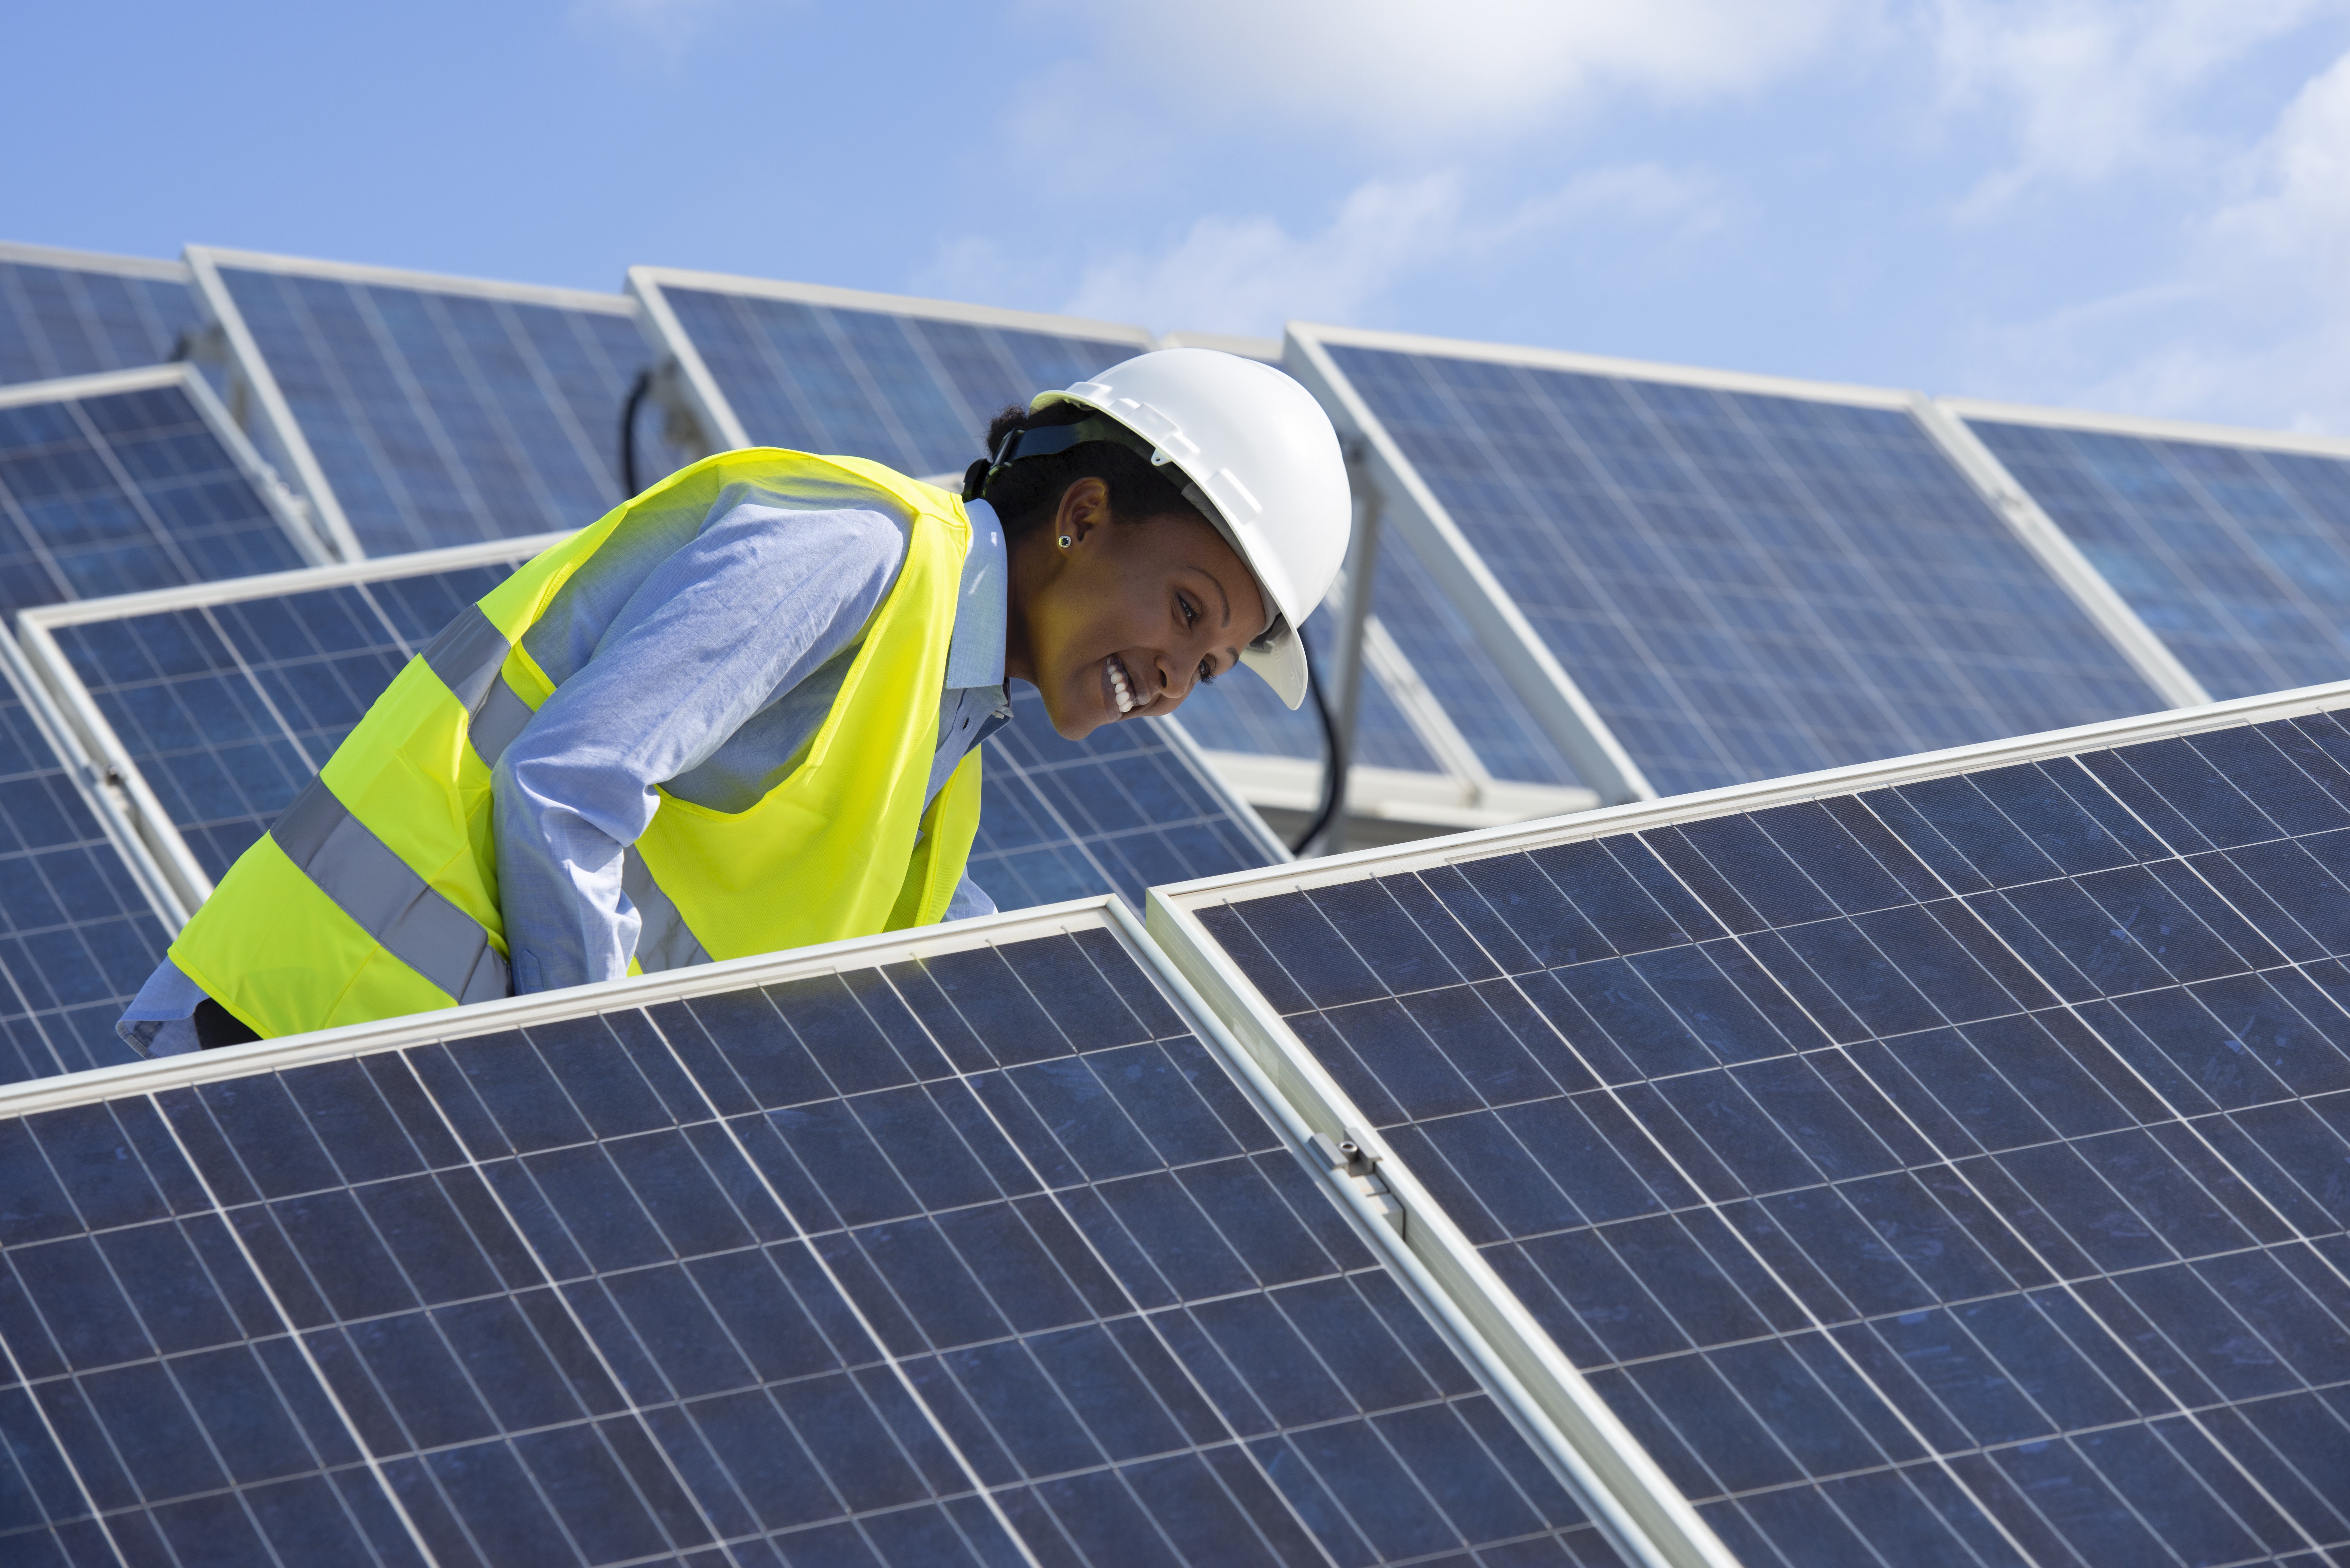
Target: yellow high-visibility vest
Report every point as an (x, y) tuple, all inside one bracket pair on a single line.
[(376, 894)]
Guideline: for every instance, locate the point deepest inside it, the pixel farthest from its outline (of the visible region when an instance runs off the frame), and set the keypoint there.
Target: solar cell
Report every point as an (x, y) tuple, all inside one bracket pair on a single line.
[(419, 411), (71, 313), (130, 481), (2232, 547), (79, 900), (1939, 1161), (963, 1250), (1744, 579), (220, 704)]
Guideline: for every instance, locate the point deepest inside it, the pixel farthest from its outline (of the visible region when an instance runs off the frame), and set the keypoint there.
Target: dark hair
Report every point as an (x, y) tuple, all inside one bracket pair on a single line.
[(1026, 494)]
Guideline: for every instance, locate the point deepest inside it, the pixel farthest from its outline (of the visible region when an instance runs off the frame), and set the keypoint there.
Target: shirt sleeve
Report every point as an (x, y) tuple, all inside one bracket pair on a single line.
[(745, 610), (970, 902)]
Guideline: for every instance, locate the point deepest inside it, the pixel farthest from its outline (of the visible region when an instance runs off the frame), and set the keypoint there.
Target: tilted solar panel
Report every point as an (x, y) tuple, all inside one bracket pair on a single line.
[(68, 313), (1744, 579), (219, 705), (1941, 1162), (130, 481), (420, 413), (79, 902), (907, 382), (963, 1250), (2232, 547)]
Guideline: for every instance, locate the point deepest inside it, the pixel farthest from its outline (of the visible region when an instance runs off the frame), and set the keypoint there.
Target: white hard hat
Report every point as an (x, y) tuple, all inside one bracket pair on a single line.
[(1263, 465)]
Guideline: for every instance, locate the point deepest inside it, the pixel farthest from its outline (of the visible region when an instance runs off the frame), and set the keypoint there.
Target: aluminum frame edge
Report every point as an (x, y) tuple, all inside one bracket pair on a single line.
[(1591, 1452), (2062, 558), (247, 365), (1501, 628)]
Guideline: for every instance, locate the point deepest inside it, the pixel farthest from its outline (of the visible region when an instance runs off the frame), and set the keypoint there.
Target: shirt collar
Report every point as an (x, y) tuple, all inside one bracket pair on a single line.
[(975, 653)]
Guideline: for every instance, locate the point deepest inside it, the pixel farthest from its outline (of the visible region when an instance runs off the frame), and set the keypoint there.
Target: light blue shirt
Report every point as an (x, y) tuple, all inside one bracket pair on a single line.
[(705, 672)]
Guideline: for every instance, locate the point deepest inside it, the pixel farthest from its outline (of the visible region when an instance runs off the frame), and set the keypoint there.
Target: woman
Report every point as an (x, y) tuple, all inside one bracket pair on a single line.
[(741, 712)]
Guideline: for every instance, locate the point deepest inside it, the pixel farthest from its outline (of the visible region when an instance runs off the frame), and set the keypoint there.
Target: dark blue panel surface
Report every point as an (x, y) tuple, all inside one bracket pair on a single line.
[(1747, 586), (60, 319), (2237, 559), (124, 491), (1118, 812), (445, 417), (1956, 1173), (76, 935), (229, 709), (914, 392), (884, 1267)]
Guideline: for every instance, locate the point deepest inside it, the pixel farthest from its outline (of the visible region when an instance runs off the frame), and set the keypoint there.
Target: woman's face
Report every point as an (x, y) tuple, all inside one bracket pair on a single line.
[(1127, 619)]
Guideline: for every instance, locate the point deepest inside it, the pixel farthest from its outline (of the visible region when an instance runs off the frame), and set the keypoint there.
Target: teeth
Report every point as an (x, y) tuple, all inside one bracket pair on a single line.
[(1118, 688)]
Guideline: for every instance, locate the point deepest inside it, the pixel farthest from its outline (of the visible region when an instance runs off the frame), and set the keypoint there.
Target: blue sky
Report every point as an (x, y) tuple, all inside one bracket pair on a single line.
[(2142, 207)]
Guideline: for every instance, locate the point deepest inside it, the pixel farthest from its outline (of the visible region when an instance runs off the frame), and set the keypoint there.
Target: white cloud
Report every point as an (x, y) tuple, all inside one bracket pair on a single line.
[(1250, 274), (1403, 70), (668, 26), (2253, 327), (2092, 89)]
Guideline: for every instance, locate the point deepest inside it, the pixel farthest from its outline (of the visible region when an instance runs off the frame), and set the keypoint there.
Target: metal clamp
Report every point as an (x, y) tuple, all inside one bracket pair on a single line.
[(1351, 1158)]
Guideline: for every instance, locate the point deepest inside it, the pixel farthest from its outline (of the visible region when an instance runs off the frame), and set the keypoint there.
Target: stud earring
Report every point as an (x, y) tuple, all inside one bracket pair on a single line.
[(1067, 541)]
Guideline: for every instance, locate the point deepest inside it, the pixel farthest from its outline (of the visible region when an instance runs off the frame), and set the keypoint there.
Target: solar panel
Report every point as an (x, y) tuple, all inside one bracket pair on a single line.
[(1742, 578), (907, 382), (1939, 1161), (2233, 546), (130, 480), (419, 411), (961, 1251), (71, 313), (79, 900), (221, 704)]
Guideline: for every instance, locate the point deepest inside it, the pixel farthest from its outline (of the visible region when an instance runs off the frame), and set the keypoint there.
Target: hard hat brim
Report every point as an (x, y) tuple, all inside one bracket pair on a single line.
[(1281, 663)]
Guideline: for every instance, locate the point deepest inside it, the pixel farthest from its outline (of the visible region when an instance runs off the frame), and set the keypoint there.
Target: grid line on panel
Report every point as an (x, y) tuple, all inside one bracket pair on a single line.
[(2237, 557), (77, 932), (915, 391), (2189, 1196), (109, 492), (1746, 585), (61, 319), (442, 415), (526, 1097)]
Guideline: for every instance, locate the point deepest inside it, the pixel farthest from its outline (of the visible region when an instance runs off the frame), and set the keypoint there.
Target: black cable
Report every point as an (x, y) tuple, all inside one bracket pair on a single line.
[(628, 433), (1334, 771)]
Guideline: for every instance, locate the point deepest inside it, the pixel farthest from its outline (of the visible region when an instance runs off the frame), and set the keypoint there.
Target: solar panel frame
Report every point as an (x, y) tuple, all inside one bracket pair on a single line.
[(1360, 1213), (164, 336), (1508, 637), (1174, 921), (256, 387), (1963, 413)]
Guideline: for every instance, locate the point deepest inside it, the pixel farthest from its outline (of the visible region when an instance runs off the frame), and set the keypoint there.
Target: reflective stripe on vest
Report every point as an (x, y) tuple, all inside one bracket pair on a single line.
[(389, 902), (469, 656), (664, 941)]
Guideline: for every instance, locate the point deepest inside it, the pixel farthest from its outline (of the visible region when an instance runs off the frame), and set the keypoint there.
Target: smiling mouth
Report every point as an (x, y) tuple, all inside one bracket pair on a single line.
[(1120, 687)]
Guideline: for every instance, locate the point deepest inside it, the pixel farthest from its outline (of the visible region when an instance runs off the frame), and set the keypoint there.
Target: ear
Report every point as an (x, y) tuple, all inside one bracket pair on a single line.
[(1084, 506)]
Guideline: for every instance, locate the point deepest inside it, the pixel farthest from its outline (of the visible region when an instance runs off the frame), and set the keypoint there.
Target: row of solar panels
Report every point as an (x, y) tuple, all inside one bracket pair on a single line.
[(1598, 576), (1945, 1161)]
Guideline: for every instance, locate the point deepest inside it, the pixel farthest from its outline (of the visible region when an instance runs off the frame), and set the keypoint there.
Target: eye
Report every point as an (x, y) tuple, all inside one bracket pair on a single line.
[(1190, 612), (1207, 671)]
